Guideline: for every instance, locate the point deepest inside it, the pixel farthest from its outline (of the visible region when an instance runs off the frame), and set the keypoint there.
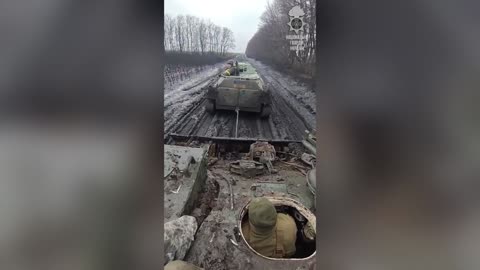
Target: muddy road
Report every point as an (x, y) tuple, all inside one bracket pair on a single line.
[(293, 108)]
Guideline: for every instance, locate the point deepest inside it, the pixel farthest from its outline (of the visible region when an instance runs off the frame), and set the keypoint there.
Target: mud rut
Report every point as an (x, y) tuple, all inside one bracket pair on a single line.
[(285, 122)]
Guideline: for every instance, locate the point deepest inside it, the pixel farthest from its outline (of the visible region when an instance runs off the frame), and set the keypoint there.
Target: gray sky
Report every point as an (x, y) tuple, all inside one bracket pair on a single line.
[(242, 17)]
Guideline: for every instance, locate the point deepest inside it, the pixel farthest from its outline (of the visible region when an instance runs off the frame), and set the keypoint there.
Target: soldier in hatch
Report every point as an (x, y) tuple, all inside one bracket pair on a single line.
[(270, 233)]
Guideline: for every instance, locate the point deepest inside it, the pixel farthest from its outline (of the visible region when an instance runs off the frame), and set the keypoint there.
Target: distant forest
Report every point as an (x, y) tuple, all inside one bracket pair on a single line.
[(194, 41), (269, 44)]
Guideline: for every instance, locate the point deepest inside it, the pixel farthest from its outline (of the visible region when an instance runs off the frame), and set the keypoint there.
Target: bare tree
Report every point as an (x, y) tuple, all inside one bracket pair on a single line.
[(202, 35), (230, 41), (169, 28), (180, 32), (195, 34), (210, 35), (191, 34), (227, 40), (216, 38)]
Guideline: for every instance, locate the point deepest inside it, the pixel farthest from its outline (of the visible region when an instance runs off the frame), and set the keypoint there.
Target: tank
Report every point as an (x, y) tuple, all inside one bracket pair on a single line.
[(239, 87), (215, 183)]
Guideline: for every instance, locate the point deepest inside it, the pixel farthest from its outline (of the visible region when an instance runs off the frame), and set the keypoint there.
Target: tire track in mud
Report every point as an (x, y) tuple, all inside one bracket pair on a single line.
[(212, 130), (173, 126), (227, 125), (198, 121), (179, 105), (222, 124), (248, 127), (289, 123), (285, 121)]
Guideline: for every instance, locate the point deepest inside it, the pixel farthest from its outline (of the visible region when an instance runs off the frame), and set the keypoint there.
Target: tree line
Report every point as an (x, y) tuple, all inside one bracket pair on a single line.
[(269, 44), (189, 34)]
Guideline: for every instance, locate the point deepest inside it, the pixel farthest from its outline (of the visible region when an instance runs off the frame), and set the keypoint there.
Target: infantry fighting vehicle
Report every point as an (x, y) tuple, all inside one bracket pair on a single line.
[(239, 88)]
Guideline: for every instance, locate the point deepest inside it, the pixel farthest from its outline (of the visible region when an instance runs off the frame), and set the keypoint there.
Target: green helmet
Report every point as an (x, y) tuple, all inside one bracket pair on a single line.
[(262, 215)]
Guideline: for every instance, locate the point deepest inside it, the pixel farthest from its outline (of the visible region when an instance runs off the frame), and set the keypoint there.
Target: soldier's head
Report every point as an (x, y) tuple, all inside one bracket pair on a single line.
[(262, 215)]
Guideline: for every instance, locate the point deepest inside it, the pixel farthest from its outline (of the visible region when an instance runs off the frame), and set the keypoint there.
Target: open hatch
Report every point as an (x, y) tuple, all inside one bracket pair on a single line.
[(306, 227)]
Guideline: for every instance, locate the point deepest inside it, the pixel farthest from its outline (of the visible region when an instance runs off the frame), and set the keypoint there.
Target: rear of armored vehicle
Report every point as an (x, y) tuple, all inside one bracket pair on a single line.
[(245, 92)]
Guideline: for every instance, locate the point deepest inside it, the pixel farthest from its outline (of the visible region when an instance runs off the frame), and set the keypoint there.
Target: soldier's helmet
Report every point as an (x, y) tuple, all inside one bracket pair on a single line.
[(262, 215)]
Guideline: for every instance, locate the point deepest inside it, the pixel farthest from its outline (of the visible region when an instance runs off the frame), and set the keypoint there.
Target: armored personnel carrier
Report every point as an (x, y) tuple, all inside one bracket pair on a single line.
[(239, 88), (214, 182)]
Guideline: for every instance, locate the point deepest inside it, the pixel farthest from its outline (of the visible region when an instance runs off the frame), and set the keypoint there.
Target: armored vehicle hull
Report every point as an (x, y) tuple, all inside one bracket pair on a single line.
[(224, 193), (242, 91)]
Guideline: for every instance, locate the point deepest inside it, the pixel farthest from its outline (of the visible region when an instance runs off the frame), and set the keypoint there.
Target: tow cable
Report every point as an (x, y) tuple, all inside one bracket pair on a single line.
[(237, 110)]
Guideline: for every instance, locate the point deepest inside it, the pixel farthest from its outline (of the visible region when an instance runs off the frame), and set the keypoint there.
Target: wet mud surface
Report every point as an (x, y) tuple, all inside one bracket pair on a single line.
[(293, 110)]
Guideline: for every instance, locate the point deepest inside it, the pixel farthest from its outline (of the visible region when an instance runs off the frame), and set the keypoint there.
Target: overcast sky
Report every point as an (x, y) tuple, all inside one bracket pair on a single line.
[(241, 16)]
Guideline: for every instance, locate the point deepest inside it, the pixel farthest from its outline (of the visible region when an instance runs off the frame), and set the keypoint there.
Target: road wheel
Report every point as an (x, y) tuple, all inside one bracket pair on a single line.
[(266, 111), (210, 106)]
